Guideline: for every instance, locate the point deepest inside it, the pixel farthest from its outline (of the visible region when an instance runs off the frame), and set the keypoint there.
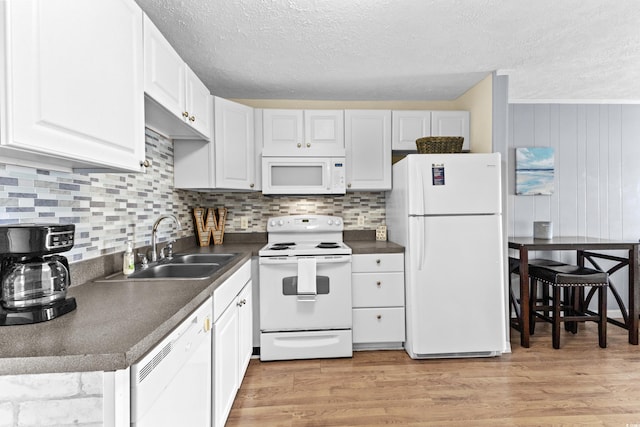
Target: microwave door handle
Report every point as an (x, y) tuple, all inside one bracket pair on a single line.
[(329, 176)]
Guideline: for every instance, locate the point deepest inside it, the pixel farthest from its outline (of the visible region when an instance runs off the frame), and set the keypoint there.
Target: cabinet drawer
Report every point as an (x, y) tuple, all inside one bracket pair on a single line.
[(377, 289), (365, 263), (371, 325), (226, 293)]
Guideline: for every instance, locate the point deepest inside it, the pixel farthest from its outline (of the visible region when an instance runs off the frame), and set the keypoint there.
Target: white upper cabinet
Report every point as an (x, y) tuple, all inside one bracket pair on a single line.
[(368, 145), (71, 84), (180, 105), (234, 142), (303, 132), (409, 125), (229, 163), (451, 123)]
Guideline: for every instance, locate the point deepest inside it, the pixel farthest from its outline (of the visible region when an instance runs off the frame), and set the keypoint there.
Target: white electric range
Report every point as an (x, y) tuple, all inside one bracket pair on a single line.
[(305, 289)]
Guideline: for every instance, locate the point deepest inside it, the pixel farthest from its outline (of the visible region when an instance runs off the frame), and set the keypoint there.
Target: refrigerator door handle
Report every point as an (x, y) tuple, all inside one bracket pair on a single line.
[(422, 195), (421, 244)]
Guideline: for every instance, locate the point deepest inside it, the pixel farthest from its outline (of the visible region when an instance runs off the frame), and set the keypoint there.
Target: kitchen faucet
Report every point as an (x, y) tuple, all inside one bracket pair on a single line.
[(154, 253)]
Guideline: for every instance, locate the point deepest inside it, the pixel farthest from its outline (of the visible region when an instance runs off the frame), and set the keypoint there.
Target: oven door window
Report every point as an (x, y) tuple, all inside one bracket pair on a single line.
[(290, 285)]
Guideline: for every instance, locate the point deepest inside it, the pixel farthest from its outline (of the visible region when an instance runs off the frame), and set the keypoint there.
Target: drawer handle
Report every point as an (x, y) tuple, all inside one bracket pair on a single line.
[(379, 316), (377, 261), (378, 283)]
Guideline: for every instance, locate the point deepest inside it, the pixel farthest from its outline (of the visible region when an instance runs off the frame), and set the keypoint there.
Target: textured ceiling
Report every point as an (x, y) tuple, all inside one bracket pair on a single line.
[(406, 49)]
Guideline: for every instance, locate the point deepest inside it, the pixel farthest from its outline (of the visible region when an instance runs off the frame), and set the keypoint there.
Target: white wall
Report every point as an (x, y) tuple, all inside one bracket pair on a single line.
[(597, 172), (597, 169)]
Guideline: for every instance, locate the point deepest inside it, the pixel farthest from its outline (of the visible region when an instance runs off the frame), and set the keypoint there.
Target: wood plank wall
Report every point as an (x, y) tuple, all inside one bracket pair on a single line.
[(597, 160), (597, 170)]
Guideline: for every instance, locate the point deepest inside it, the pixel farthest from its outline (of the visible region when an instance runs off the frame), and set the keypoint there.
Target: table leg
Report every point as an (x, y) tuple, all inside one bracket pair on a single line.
[(524, 297), (634, 295)]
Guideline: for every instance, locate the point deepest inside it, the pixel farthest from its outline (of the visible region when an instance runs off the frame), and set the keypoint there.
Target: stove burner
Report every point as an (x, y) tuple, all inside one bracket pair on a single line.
[(328, 245), (284, 244)]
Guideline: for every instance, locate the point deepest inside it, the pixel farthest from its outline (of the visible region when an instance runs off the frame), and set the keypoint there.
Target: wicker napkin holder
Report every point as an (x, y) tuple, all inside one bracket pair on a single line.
[(209, 225)]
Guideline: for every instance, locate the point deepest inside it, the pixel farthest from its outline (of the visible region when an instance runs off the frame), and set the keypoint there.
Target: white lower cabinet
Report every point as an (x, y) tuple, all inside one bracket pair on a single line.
[(378, 301), (232, 340)]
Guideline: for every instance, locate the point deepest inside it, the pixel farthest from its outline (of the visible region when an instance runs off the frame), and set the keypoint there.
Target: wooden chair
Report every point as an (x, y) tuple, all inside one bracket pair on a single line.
[(565, 303), (514, 303)]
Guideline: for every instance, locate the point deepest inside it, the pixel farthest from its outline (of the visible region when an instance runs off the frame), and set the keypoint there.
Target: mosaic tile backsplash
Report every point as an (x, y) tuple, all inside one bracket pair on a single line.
[(110, 209)]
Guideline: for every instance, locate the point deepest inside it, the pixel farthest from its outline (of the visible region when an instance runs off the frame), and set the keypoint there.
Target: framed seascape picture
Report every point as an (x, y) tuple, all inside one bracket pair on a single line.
[(534, 171)]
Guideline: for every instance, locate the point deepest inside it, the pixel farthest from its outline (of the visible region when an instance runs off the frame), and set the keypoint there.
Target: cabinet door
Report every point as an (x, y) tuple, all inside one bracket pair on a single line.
[(76, 81), (409, 126), (194, 164), (283, 132), (245, 327), (225, 363), (378, 325), (199, 104), (368, 145), (234, 145), (324, 133), (164, 71), (451, 123)]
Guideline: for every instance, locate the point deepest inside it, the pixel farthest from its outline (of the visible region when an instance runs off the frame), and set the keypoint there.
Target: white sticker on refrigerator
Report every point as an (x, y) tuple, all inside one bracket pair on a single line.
[(437, 174)]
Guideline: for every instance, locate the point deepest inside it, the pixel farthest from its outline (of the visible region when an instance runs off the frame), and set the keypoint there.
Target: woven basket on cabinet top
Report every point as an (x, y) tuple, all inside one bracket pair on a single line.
[(439, 144)]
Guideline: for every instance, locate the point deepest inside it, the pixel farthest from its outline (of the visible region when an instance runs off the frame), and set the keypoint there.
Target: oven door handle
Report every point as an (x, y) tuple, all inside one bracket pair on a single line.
[(337, 259)]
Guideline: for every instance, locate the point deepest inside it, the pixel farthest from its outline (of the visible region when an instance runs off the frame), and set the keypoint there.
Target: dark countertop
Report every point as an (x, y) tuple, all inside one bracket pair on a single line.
[(374, 247), (118, 322), (115, 324)]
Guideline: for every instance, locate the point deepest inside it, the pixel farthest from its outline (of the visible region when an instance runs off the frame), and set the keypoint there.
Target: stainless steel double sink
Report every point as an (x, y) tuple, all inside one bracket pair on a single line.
[(184, 266)]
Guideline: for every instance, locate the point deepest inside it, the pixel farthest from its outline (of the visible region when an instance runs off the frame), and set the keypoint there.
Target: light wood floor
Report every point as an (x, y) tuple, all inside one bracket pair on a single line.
[(579, 384)]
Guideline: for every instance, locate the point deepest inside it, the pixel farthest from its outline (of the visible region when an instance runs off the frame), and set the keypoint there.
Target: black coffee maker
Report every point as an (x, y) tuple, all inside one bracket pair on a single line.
[(33, 279)]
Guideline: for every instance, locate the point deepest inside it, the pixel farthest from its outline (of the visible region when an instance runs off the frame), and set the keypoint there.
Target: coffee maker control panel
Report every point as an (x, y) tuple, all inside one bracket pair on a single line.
[(60, 240), (35, 239)]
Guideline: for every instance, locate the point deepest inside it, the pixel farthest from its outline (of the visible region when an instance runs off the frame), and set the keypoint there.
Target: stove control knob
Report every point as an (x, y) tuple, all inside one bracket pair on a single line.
[(337, 222), (280, 222), (273, 223), (330, 222)]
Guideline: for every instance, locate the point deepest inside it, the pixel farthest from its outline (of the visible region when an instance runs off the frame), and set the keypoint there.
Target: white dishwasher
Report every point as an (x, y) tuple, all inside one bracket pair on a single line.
[(171, 385)]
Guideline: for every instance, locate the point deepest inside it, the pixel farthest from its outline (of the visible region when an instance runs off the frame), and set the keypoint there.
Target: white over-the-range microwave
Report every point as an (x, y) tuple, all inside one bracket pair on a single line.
[(303, 175)]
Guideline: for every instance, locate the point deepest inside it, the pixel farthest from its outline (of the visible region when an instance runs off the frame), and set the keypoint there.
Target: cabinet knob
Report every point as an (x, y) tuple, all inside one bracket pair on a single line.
[(251, 185), (299, 145), (192, 119), (377, 261), (349, 185), (378, 283), (379, 316), (145, 163), (185, 114), (308, 144)]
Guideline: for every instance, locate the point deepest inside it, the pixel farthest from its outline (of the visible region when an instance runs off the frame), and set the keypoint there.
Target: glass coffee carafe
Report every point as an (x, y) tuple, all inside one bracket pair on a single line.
[(35, 282), (34, 278)]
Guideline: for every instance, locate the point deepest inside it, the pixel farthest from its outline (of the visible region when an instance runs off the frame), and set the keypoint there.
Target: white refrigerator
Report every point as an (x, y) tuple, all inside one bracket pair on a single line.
[(445, 209)]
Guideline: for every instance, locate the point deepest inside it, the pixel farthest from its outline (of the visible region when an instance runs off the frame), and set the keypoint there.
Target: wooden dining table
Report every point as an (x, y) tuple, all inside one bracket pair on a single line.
[(590, 252)]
